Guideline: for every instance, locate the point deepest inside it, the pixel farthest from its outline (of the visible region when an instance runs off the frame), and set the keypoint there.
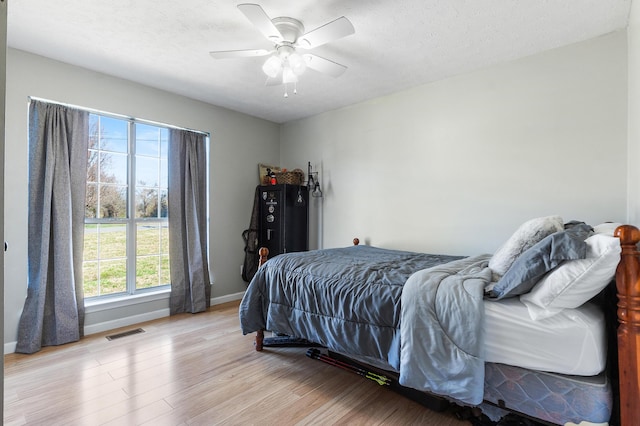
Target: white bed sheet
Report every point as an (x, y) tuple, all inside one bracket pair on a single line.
[(571, 342)]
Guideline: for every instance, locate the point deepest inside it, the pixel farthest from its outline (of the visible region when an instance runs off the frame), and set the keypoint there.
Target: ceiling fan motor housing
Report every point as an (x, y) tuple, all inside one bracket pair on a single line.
[(290, 29)]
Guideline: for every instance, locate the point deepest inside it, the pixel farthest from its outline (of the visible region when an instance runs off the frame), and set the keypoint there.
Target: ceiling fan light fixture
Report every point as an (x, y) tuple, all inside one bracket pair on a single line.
[(272, 66), (297, 64), (288, 35), (289, 76)]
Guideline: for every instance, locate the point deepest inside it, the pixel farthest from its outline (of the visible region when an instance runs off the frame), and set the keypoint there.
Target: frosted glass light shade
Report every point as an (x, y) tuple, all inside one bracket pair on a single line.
[(288, 76), (272, 66), (297, 64)]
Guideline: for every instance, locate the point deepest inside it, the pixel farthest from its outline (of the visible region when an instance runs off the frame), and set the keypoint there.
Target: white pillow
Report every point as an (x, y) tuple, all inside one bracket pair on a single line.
[(574, 282), (606, 228), (527, 235)]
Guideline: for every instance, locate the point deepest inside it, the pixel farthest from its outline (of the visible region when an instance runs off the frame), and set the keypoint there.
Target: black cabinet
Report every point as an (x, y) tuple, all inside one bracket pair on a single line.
[(283, 225)]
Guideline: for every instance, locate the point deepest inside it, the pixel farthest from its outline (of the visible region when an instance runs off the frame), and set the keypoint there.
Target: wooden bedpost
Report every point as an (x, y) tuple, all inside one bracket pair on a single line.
[(628, 288), (259, 340), (263, 253)]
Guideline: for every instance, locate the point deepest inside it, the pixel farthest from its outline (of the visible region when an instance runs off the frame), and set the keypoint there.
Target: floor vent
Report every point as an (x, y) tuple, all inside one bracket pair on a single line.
[(125, 334)]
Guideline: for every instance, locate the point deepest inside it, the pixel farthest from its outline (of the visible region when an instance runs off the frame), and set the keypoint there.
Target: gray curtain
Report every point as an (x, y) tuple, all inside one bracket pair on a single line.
[(53, 312), (190, 285)]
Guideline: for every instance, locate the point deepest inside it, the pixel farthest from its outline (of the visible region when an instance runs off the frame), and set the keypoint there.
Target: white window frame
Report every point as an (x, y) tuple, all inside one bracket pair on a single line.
[(131, 222)]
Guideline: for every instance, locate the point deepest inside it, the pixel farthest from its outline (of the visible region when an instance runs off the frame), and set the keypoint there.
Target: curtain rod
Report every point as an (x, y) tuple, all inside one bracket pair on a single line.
[(126, 117)]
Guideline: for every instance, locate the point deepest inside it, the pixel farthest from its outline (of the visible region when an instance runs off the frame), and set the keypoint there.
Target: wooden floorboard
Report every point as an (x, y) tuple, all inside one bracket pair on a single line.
[(195, 370)]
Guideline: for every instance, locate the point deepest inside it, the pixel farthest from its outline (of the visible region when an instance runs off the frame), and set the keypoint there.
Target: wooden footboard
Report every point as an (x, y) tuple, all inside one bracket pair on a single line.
[(628, 288)]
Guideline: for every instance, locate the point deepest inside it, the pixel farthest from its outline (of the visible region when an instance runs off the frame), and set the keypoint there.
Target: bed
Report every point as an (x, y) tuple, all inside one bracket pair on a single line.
[(531, 328)]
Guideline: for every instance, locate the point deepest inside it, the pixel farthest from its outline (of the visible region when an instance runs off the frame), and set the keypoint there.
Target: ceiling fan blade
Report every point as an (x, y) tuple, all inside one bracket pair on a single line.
[(261, 20), (323, 65), (226, 54), (333, 30)]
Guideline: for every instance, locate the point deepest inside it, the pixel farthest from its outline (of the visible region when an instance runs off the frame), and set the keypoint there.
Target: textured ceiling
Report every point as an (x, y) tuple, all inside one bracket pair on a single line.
[(397, 44)]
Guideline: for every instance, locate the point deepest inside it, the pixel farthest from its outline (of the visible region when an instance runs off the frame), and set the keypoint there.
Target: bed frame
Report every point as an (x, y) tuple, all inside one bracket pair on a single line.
[(628, 289), (627, 283)]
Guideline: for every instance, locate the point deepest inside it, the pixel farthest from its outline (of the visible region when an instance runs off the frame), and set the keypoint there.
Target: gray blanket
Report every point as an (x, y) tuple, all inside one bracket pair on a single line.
[(441, 331), (419, 314), (347, 299)]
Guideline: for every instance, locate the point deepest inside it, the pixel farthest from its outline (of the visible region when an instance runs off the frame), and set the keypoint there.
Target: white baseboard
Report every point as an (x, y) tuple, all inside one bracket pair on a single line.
[(134, 319), (10, 347), (125, 322), (227, 298), (137, 319)]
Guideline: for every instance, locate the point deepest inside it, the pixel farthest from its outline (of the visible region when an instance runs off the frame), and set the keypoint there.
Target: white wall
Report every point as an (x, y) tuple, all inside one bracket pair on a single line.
[(238, 143), (633, 49), (455, 166)]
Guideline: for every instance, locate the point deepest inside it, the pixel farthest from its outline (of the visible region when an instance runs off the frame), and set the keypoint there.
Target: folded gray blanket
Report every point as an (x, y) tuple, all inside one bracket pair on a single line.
[(442, 329)]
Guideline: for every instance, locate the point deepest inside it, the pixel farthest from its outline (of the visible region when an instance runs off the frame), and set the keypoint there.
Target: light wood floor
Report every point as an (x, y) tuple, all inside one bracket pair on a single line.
[(195, 370)]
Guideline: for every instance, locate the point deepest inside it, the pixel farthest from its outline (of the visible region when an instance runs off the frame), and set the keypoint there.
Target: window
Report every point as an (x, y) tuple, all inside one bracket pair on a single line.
[(126, 246)]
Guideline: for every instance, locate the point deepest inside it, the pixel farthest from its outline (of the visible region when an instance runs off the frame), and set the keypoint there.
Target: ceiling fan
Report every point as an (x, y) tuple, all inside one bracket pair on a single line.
[(285, 64)]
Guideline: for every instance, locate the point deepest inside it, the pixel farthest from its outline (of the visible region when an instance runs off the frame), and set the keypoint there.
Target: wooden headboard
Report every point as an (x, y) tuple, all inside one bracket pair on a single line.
[(628, 289)]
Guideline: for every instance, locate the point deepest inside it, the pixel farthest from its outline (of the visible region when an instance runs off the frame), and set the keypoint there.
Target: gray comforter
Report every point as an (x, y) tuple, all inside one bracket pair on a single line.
[(351, 300), (442, 329)]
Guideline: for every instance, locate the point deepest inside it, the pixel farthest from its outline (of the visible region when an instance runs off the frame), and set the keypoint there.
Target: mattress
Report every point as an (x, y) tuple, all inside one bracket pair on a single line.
[(571, 342), (547, 396)]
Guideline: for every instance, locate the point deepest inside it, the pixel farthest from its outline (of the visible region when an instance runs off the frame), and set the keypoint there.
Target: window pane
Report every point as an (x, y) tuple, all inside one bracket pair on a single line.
[(90, 276), (164, 238), (147, 271), (146, 202), (91, 201), (114, 134), (164, 203), (148, 139), (164, 173), (147, 171), (113, 241), (92, 165), (112, 168), (152, 271), (113, 201), (165, 277), (104, 266), (152, 260), (148, 240), (94, 131), (164, 145), (113, 276), (90, 251)]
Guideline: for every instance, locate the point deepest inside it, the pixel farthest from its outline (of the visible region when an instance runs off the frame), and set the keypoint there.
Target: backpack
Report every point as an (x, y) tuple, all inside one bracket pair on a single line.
[(250, 237)]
